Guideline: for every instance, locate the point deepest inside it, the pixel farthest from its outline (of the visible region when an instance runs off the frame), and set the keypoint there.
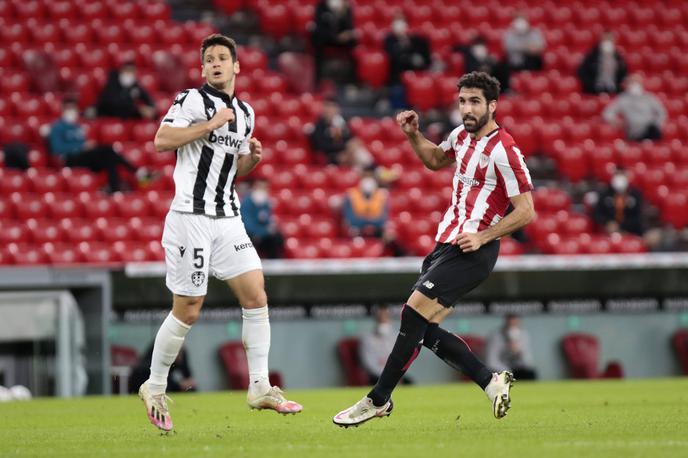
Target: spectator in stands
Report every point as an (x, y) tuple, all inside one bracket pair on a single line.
[(16, 155), (366, 206), (333, 30), (123, 97), (67, 140), (261, 227), (405, 51), (377, 345), (179, 379), (523, 45), (603, 69), (638, 112), (332, 137), (619, 206), (477, 58), (508, 348)]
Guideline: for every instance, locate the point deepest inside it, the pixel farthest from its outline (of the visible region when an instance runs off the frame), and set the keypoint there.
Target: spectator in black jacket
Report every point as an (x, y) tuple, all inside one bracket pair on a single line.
[(123, 97), (405, 51), (603, 69), (334, 29), (619, 207)]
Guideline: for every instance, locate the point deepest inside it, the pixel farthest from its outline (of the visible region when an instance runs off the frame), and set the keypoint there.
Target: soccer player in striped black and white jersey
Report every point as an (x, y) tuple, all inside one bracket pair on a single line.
[(490, 175), (211, 131)]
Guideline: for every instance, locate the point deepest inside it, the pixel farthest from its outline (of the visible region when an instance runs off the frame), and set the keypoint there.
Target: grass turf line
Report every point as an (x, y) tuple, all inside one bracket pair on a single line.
[(643, 418)]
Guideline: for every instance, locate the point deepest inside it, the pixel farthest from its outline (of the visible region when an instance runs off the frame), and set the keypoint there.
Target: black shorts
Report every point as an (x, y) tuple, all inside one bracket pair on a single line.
[(448, 273)]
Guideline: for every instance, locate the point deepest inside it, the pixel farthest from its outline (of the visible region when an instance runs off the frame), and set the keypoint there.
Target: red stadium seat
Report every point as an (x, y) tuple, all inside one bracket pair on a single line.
[(44, 181), (679, 341), (28, 255), (44, 231), (62, 253), (13, 181), (675, 209), (131, 205), (146, 229), (582, 353), (13, 232), (80, 230), (63, 206), (6, 210), (372, 67), (233, 357), (98, 253), (420, 90), (510, 247), (349, 358), (79, 180), (113, 229), (97, 206), (129, 251), (28, 206)]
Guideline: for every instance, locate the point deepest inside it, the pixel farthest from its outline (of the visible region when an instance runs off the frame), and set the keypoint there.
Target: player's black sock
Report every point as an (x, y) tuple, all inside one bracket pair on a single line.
[(405, 350), (454, 351)]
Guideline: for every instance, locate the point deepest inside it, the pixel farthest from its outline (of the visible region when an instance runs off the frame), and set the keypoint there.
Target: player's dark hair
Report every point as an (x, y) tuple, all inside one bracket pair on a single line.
[(481, 80), (217, 39)]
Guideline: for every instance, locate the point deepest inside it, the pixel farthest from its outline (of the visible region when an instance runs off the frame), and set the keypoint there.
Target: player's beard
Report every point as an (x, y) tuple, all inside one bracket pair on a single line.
[(479, 123)]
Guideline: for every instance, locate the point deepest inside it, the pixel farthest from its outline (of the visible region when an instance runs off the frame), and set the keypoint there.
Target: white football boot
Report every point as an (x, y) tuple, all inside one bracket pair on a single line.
[(498, 392), (361, 412)]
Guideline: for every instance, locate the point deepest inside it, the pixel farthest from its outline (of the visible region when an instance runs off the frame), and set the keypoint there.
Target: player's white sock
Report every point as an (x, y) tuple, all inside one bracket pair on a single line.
[(255, 335), (168, 342)]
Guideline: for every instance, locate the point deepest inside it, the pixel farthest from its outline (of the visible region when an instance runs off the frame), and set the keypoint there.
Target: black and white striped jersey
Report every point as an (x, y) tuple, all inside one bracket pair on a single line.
[(205, 173)]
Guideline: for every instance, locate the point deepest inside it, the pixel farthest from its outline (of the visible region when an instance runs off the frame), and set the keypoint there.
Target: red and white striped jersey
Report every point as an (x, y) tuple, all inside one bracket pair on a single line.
[(489, 171)]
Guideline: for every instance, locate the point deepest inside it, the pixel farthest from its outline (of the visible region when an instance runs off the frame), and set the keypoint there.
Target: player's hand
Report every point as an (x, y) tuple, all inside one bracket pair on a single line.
[(222, 117), (256, 149), (408, 121), (468, 242)]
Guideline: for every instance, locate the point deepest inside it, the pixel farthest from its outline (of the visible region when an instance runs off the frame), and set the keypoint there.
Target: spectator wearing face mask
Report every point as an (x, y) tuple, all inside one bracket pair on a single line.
[(256, 212), (377, 345), (405, 51), (333, 31), (123, 97), (639, 113), (524, 45), (619, 207), (331, 136), (477, 58), (603, 69), (365, 207), (509, 348), (67, 140)]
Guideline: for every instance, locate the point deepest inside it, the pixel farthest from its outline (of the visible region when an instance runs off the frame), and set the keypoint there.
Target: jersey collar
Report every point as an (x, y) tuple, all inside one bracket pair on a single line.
[(214, 92)]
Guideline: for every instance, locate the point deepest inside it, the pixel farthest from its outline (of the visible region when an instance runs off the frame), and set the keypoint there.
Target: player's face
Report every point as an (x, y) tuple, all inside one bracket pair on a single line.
[(475, 111), (219, 69)]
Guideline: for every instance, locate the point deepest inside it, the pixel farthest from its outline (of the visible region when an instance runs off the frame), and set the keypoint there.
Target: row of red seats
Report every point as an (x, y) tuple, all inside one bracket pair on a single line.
[(18, 10), (337, 248), (66, 254)]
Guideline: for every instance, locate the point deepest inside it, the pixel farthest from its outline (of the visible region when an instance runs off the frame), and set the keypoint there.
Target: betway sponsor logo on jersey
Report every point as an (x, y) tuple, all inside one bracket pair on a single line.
[(228, 140), (468, 181)]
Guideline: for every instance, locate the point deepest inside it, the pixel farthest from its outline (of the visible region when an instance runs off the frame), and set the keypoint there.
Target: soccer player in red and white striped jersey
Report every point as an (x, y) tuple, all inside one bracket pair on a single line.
[(490, 175)]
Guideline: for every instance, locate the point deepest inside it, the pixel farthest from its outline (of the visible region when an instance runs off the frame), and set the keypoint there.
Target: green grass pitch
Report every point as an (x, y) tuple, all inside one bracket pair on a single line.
[(643, 418)]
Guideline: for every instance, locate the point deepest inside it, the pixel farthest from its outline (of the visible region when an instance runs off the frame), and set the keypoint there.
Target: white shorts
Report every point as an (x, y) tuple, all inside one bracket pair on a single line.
[(198, 245)]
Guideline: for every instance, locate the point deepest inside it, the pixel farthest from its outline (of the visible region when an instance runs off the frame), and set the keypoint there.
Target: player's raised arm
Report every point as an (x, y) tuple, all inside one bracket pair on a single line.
[(432, 155), (170, 138)]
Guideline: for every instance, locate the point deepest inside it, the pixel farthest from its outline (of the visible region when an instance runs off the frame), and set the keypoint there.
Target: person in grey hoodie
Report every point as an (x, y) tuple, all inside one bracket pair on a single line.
[(638, 112)]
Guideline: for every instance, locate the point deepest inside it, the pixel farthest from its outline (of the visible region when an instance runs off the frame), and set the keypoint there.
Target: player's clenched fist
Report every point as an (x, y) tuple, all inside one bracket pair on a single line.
[(256, 149), (221, 118), (408, 121)]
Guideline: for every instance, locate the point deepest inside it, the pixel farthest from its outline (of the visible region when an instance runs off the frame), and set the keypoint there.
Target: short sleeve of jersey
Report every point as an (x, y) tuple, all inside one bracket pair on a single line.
[(251, 122), (186, 109), (513, 170), (448, 144)]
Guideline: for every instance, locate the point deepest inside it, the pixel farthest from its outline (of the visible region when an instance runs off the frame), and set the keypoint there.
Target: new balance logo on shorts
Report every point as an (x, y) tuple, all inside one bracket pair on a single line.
[(429, 285), (242, 246)]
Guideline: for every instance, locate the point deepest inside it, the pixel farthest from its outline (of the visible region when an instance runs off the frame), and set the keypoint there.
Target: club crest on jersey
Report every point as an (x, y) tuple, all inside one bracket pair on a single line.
[(484, 160), (197, 278)]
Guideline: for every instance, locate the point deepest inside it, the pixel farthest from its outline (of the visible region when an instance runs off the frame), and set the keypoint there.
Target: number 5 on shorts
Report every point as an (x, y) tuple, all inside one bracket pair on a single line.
[(198, 258)]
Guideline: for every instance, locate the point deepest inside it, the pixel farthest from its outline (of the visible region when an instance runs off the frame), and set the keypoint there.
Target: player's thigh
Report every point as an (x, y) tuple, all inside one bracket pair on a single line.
[(249, 288), (427, 307), (187, 241)]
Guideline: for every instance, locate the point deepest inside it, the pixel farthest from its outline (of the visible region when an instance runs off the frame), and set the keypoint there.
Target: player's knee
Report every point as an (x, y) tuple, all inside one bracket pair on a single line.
[(190, 315), (255, 300)]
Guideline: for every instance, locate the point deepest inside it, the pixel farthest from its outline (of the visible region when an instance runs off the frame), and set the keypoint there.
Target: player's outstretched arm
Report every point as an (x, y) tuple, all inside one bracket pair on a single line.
[(248, 162), (169, 138), (432, 155), (522, 214)]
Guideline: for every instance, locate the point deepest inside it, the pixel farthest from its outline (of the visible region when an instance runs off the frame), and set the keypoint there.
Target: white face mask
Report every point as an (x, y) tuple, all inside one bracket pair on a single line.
[(399, 26), (513, 334), (480, 51), (619, 183), (368, 185), (70, 116), (338, 121), (384, 329), (259, 196), (635, 88), (335, 5), (520, 25), (127, 79), (607, 46)]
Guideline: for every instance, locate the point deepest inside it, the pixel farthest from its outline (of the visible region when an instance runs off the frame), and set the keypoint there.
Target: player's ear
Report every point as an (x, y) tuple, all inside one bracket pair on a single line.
[(237, 69), (492, 106), (203, 71)]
